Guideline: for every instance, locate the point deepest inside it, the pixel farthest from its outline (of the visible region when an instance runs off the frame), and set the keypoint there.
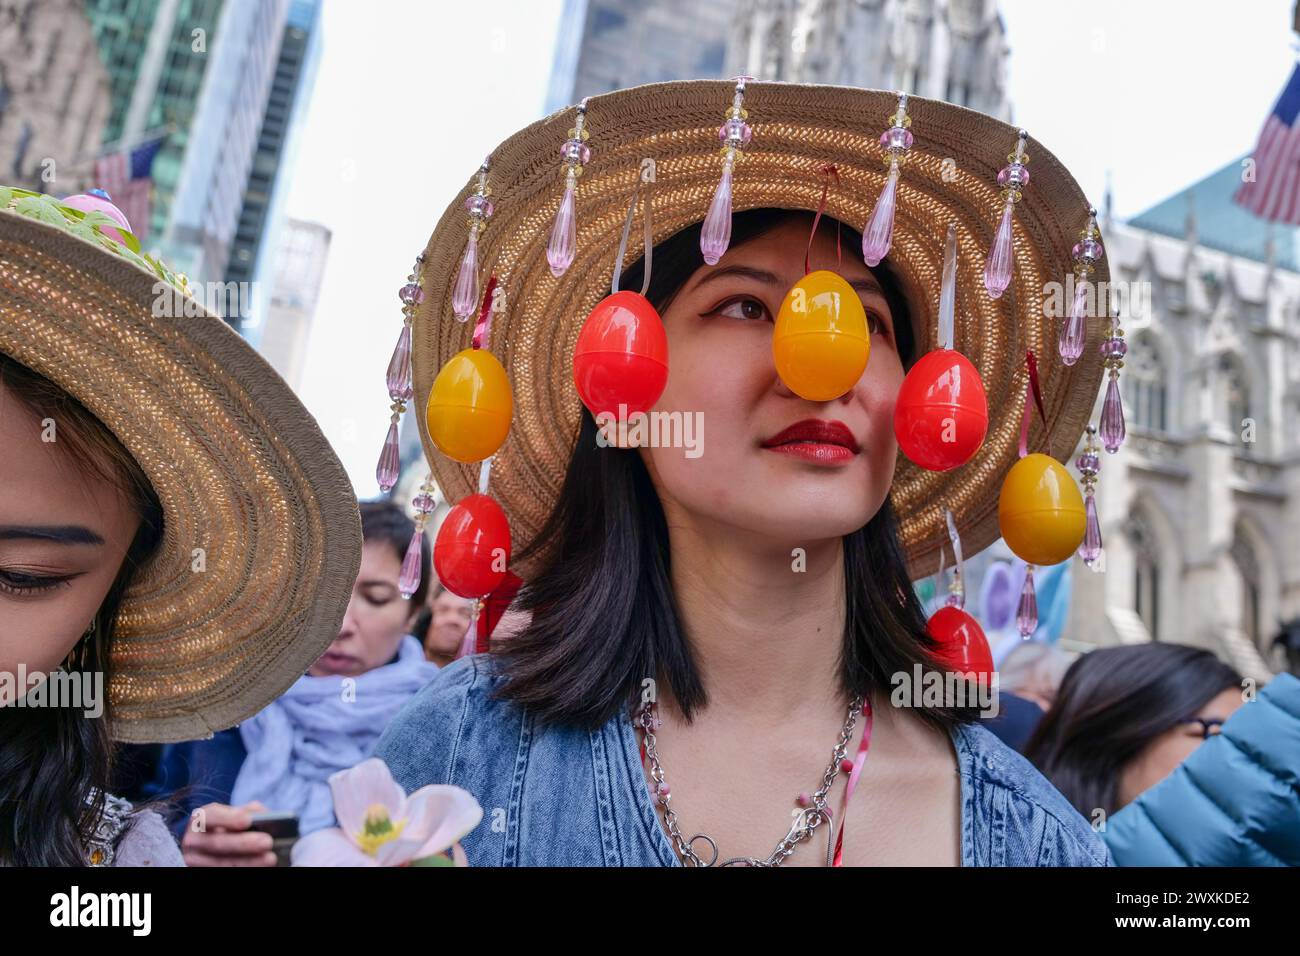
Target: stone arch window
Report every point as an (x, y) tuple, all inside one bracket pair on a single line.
[(1246, 562), (1146, 572), (1236, 393), (1146, 379)]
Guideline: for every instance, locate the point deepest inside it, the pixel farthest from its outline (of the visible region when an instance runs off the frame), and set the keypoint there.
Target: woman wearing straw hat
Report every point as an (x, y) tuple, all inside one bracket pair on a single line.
[(711, 624), (175, 533)]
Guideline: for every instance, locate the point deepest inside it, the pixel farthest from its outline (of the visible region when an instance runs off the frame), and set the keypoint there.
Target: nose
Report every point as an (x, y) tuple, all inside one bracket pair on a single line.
[(785, 391), (349, 626)]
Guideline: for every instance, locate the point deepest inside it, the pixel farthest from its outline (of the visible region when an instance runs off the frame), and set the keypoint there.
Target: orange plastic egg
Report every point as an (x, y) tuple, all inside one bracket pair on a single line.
[(1040, 511), (821, 343), (470, 406)]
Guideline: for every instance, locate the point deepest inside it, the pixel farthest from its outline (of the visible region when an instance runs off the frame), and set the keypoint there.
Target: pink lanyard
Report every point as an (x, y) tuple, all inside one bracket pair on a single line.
[(852, 785)]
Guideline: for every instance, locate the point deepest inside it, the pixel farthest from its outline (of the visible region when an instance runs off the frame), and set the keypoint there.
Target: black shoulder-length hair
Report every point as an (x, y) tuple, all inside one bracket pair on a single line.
[(1112, 703), (604, 616)]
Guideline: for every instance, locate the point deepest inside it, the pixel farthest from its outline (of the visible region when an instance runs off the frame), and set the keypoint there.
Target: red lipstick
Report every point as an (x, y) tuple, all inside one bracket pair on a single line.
[(816, 440)]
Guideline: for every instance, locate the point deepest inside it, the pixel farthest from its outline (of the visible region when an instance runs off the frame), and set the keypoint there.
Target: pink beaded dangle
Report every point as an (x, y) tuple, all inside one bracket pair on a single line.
[(464, 295), (897, 140), (735, 135), (1113, 350), (1012, 178), (1089, 465), (398, 378), (575, 153), (1027, 610), (1086, 253), (408, 581)]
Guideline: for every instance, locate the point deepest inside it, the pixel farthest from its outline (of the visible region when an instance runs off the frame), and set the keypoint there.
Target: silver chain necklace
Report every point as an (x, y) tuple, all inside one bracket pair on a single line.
[(805, 823)]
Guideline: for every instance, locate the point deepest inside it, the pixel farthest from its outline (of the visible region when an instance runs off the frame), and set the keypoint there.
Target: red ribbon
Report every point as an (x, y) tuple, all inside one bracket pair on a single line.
[(484, 314), (1032, 386), (831, 173), (494, 607)]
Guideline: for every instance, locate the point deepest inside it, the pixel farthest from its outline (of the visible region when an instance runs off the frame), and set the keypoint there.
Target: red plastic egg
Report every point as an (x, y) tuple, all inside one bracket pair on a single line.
[(472, 549), (942, 413), (963, 648), (622, 356)]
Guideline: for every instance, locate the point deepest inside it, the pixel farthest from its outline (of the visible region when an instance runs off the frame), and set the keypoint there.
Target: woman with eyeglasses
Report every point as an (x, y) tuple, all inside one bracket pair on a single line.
[(1126, 717)]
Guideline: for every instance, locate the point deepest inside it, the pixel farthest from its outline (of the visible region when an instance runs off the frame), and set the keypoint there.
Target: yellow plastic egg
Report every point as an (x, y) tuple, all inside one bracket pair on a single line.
[(821, 343), (470, 406), (1040, 511)]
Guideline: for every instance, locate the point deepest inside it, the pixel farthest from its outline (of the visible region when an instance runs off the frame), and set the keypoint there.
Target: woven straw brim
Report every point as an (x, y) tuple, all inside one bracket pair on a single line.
[(241, 469), (949, 176)]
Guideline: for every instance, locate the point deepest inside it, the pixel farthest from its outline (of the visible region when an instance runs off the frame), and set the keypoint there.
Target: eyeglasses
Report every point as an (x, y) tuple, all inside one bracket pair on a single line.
[(1208, 727)]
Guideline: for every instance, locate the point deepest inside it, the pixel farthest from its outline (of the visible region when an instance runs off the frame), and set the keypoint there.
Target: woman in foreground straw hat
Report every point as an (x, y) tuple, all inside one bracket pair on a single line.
[(177, 540), (711, 622)]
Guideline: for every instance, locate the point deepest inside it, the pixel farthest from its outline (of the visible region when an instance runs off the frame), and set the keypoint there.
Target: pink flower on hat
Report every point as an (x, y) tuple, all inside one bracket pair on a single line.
[(380, 826)]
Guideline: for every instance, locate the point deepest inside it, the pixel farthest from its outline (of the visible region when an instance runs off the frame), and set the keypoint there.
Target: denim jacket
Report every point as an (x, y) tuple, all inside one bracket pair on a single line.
[(566, 796)]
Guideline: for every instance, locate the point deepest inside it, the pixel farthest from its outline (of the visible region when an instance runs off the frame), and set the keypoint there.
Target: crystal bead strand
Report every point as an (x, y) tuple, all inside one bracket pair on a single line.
[(464, 294), (897, 140), (735, 134), (1027, 610), (398, 378), (575, 154), (1089, 465), (408, 582), (1012, 178), (1086, 253), (1113, 350)]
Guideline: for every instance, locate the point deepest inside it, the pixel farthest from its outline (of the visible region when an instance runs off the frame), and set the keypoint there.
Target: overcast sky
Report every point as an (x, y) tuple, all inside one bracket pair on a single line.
[(412, 95)]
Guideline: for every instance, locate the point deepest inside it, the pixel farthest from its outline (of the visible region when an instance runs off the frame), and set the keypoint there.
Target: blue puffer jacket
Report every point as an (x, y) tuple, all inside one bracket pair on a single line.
[(1234, 802)]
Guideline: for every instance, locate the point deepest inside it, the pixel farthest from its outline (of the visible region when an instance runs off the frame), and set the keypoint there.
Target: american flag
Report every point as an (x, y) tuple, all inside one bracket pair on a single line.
[(127, 176), (1275, 192)]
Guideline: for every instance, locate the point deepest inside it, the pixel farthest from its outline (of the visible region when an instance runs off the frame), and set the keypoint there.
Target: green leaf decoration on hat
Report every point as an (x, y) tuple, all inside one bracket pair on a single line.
[(88, 226)]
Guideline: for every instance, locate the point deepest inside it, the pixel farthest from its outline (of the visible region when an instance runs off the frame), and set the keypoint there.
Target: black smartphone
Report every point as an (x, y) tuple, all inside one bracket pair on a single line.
[(283, 828)]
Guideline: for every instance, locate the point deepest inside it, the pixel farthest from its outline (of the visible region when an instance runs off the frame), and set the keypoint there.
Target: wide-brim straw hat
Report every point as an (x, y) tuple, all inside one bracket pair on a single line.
[(950, 176), (262, 536)]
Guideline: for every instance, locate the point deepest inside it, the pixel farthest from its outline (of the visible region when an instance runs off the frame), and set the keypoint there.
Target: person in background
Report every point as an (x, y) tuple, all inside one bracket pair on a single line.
[(1015, 721), (281, 759), (137, 451), (441, 626), (1126, 717), (1234, 802), (1034, 671)]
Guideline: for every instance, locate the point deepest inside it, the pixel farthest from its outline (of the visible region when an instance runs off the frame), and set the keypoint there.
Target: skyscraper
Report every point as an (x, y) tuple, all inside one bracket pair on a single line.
[(607, 45), (155, 53), (202, 70), (257, 235), (223, 137), (299, 268)]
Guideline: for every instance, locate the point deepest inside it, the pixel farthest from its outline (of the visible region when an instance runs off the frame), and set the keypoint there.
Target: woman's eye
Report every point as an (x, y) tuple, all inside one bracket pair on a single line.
[(15, 582), (876, 325), (744, 307)]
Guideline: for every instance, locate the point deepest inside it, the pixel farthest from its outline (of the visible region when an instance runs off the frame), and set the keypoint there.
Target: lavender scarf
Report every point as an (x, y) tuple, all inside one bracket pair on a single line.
[(319, 726)]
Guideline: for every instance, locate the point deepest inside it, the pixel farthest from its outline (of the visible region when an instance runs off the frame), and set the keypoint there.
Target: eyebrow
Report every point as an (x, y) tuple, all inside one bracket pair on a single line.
[(58, 534), (867, 284)]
